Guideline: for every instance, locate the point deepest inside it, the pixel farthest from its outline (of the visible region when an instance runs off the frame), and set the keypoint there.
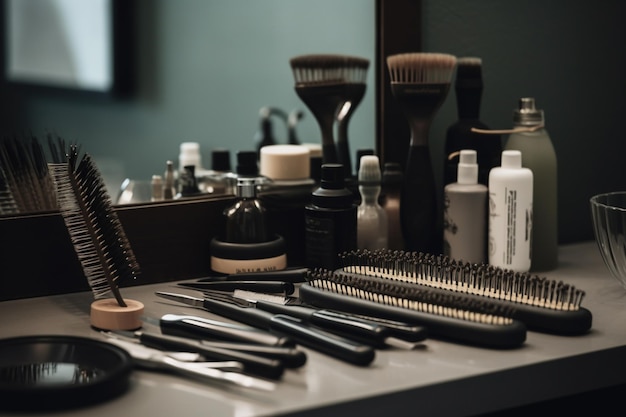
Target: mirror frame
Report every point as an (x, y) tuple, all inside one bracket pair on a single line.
[(398, 30)]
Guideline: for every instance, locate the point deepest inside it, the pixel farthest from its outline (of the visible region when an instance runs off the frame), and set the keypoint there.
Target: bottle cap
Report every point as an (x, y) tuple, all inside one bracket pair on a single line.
[(526, 114), (285, 162), (369, 170), (512, 159), (247, 163), (332, 177), (467, 170), (220, 160)]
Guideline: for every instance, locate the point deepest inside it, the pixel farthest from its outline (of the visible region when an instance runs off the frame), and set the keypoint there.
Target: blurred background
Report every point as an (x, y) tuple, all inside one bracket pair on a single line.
[(202, 70)]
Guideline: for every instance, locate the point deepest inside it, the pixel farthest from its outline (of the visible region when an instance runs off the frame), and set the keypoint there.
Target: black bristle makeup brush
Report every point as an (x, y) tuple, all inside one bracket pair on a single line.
[(320, 83), (98, 237), (355, 75), (420, 83)]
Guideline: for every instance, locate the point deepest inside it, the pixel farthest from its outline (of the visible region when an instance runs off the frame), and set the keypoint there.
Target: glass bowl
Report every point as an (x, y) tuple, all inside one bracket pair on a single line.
[(608, 212)]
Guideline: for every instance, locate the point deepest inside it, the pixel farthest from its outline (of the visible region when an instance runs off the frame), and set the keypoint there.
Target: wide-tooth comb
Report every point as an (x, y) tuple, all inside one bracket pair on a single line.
[(96, 232), (444, 315), (544, 305)]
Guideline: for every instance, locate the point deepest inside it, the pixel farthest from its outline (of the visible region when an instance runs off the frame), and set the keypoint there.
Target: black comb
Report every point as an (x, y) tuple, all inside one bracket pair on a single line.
[(474, 322), (543, 305)]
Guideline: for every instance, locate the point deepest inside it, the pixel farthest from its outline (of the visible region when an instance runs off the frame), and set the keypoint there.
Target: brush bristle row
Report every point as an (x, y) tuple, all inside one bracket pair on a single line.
[(479, 279), (325, 68), (421, 68), (95, 230), (422, 300)]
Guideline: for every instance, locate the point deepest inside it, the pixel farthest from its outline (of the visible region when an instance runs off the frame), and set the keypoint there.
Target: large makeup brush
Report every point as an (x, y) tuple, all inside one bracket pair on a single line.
[(98, 237), (420, 83), (355, 74), (321, 84)]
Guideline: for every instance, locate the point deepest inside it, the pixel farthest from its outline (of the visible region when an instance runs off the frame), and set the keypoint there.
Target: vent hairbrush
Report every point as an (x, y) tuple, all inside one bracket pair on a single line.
[(541, 304), (446, 316), (98, 238)]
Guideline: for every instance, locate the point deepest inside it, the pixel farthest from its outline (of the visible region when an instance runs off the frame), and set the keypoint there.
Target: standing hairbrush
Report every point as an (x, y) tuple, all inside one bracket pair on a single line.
[(99, 240), (321, 85), (541, 304), (420, 83), (355, 74), (446, 316)]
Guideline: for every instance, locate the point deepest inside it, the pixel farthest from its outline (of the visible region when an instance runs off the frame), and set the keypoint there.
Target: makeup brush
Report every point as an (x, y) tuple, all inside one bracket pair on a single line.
[(321, 85), (355, 74), (98, 237), (420, 83)]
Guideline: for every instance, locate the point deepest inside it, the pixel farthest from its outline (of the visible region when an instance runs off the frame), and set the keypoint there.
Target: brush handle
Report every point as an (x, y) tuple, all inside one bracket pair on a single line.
[(290, 357), (453, 329), (418, 203), (343, 147), (292, 274)]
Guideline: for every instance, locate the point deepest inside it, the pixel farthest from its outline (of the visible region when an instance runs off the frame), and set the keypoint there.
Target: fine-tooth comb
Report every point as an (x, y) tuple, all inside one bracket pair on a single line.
[(447, 316), (542, 304), (95, 230)]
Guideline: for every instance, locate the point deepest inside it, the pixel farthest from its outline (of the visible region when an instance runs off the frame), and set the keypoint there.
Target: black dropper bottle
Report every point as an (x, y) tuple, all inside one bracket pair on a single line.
[(469, 88), (330, 220)]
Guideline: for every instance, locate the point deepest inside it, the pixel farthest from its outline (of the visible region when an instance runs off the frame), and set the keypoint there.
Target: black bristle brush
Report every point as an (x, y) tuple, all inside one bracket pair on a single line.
[(98, 237), (27, 184), (542, 304), (445, 316), (420, 82), (321, 82)]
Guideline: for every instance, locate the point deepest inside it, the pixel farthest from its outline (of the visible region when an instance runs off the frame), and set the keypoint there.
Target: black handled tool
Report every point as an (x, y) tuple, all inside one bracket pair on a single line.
[(270, 287), (310, 336), (253, 364), (292, 274), (203, 328), (177, 326)]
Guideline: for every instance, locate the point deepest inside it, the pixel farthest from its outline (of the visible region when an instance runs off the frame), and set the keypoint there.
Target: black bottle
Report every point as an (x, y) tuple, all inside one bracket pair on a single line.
[(330, 220), (469, 87)]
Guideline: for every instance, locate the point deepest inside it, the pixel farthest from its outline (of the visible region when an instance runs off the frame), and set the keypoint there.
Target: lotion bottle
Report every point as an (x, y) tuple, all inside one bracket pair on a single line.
[(510, 213), (540, 157), (465, 213), (371, 217)]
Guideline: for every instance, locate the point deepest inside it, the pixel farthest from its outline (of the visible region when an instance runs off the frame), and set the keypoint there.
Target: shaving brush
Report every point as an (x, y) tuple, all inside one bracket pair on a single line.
[(420, 83)]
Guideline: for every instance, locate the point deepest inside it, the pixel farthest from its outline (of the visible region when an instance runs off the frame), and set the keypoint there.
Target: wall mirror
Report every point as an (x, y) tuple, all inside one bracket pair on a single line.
[(80, 46)]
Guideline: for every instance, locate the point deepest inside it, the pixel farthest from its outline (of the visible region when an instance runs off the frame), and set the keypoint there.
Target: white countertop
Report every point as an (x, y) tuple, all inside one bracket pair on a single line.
[(438, 379)]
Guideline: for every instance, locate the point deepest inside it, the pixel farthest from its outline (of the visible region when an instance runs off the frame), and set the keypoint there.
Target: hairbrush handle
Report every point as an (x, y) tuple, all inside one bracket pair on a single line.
[(328, 343), (464, 331), (292, 274), (270, 287)]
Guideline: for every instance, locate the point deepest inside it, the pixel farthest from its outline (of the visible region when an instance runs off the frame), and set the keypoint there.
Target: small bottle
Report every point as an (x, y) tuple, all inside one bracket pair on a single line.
[(465, 213), (169, 182), (469, 88), (330, 220), (540, 157), (371, 217), (157, 188), (390, 201), (220, 179), (190, 155), (245, 220), (510, 213), (187, 185)]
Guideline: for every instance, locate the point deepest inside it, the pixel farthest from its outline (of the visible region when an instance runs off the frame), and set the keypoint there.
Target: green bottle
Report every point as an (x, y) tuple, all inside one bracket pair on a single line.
[(539, 156)]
